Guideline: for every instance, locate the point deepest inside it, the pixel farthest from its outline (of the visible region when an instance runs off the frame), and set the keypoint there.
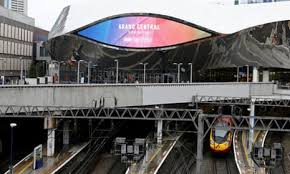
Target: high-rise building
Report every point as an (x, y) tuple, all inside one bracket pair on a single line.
[(2, 2), (19, 6)]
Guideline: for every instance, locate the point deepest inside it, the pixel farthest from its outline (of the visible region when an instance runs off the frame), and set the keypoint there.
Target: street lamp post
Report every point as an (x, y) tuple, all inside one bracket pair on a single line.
[(178, 71), (78, 74), (12, 125), (117, 70), (59, 67), (248, 72), (144, 69), (89, 72), (21, 69), (190, 64), (238, 72)]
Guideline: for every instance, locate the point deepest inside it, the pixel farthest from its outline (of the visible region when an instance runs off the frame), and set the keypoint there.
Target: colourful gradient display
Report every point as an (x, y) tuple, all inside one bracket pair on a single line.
[(142, 32)]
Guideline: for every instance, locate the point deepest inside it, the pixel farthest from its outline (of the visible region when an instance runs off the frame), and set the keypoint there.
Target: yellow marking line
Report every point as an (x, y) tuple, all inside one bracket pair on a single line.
[(26, 167), (257, 133), (244, 145), (151, 159)]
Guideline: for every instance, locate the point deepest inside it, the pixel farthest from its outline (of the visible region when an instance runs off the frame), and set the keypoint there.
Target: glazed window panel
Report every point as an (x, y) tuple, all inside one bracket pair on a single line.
[(31, 37), (2, 29), (5, 47), (25, 35), (9, 31), (18, 64), (1, 63), (16, 48), (13, 32), (1, 46), (31, 50), (19, 49), (6, 30), (19, 33), (22, 34), (9, 47)]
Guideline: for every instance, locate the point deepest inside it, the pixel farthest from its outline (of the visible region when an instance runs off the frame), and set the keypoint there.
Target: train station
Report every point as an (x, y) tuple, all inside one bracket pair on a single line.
[(155, 87)]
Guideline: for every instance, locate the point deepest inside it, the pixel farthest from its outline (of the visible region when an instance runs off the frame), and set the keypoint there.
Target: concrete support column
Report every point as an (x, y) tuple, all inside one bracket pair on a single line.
[(159, 132), (255, 75), (50, 125), (50, 142), (66, 133), (252, 123), (199, 153), (266, 75)]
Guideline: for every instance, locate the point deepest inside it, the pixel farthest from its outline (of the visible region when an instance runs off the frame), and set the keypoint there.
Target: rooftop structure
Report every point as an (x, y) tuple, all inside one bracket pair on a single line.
[(19, 6)]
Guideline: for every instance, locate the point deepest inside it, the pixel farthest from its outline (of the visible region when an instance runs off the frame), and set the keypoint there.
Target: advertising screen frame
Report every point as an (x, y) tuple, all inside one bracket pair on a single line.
[(211, 33)]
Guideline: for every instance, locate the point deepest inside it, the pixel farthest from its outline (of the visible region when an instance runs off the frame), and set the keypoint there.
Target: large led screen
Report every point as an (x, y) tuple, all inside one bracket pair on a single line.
[(142, 32)]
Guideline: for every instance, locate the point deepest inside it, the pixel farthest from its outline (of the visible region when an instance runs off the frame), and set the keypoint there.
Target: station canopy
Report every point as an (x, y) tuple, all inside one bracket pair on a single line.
[(147, 24)]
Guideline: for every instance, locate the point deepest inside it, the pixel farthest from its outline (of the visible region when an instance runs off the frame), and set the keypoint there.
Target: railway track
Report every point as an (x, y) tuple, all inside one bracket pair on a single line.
[(220, 167), (280, 138), (224, 166)]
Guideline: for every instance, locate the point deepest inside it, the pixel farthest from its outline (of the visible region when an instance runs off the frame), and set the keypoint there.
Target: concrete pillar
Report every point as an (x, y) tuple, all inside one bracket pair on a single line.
[(255, 75), (199, 153), (266, 75), (252, 113), (50, 142), (252, 123), (159, 132), (50, 125), (66, 133)]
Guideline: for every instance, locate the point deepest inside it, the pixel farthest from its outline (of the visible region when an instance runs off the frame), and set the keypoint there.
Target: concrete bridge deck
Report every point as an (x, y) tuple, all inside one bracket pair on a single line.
[(121, 95)]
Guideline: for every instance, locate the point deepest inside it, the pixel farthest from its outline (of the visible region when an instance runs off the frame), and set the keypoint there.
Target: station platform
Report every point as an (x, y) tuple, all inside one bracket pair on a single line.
[(155, 157), (244, 161), (50, 164)]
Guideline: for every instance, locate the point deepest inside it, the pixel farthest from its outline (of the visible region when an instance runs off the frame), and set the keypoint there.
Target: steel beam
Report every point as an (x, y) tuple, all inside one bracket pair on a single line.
[(221, 100), (200, 137), (264, 123)]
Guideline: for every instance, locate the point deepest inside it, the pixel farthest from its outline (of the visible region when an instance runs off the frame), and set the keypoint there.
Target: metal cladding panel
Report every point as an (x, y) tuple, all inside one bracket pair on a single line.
[(225, 19)]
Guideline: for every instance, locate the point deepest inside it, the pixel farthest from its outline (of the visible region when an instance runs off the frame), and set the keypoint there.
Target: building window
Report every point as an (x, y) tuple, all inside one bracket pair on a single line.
[(16, 33), (9, 47), (1, 46), (16, 48), (5, 47), (6, 30), (9, 31), (1, 29), (13, 32), (22, 34)]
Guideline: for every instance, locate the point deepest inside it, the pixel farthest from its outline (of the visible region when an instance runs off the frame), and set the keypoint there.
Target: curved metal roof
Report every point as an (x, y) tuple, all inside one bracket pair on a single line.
[(224, 19)]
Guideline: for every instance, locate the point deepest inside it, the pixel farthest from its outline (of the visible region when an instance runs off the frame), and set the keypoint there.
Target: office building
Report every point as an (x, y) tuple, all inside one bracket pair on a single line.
[(16, 43)]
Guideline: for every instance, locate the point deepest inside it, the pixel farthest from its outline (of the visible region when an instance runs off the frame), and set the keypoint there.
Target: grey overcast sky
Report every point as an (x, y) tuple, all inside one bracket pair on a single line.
[(46, 12)]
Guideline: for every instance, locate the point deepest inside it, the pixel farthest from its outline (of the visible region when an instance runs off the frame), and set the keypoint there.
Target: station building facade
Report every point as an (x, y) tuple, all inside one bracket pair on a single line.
[(217, 48)]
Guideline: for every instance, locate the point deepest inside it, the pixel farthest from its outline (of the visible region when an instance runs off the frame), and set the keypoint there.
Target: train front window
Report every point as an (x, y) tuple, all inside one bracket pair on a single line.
[(221, 132)]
